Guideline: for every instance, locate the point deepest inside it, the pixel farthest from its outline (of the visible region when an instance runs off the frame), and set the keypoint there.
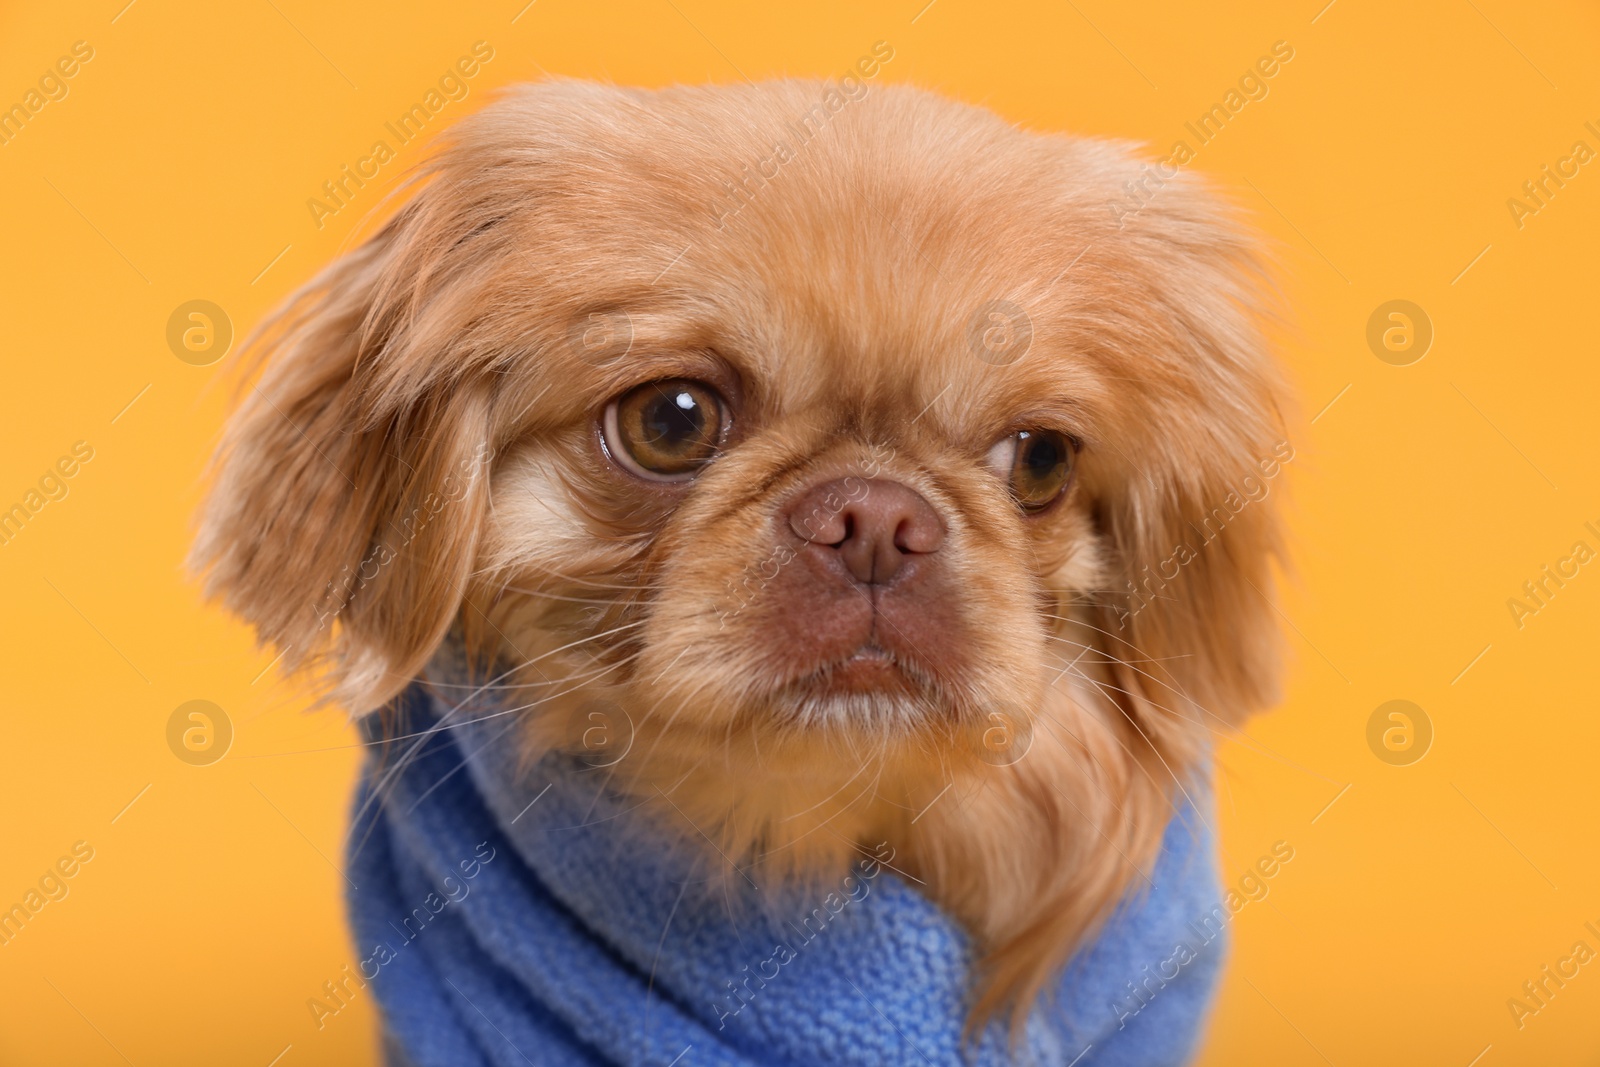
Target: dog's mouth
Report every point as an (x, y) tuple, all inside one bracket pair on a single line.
[(871, 668), (868, 671)]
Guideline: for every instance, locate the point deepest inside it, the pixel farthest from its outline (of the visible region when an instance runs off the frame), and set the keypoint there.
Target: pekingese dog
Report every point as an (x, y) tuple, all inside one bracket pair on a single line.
[(876, 457)]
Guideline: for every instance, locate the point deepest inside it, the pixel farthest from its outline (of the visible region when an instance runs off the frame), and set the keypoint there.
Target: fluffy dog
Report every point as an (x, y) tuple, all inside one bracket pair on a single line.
[(855, 476)]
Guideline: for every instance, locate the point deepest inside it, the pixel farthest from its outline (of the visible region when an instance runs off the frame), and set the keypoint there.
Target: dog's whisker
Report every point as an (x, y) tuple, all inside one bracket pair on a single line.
[(385, 778), (544, 595), (589, 582), (1153, 747), (655, 961), (1167, 685), (581, 641), (500, 732), (443, 723), (1109, 658)]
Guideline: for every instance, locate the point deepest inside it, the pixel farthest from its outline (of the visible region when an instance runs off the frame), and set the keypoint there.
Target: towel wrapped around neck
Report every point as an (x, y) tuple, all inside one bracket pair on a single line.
[(509, 915)]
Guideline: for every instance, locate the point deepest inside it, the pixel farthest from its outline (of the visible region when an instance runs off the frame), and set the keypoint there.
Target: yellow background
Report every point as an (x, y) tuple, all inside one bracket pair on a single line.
[(1379, 165)]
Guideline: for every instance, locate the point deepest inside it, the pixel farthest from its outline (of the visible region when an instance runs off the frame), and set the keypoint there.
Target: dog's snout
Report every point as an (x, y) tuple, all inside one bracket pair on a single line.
[(862, 590), (872, 524)]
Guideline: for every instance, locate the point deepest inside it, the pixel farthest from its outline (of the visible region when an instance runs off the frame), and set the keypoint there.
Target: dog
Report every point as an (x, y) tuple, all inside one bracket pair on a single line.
[(864, 448)]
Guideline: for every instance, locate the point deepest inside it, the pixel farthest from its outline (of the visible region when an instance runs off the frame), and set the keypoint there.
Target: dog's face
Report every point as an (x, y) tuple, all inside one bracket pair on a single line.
[(818, 438), (823, 509)]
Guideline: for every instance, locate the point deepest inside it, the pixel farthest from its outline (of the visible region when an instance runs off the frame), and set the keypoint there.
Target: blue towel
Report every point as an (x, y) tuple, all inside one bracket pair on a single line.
[(510, 915)]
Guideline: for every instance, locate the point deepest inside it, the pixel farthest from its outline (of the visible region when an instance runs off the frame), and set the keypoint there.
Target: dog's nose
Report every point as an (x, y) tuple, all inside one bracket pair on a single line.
[(872, 524)]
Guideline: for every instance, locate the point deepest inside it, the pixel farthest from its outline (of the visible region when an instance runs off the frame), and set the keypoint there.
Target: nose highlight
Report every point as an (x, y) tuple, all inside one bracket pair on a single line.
[(873, 524)]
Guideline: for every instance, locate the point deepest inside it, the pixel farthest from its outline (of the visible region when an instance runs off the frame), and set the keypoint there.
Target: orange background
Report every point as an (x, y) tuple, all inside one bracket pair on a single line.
[(1380, 163)]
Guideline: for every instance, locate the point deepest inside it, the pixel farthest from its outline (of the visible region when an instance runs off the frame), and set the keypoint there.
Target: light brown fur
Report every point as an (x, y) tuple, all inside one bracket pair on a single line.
[(421, 449)]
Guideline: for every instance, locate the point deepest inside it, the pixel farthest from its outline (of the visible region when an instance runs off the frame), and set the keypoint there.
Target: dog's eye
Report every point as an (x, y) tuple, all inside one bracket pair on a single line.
[(1035, 463), (667, 430)]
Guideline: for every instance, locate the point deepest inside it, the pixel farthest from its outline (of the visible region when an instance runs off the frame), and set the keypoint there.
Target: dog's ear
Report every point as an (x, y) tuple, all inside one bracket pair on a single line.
[(1191, 479), (1193, 622), (349, 489)]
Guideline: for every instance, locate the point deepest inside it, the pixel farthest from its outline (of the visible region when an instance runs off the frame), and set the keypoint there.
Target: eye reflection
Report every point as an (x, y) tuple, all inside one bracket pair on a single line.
[(665, 430)]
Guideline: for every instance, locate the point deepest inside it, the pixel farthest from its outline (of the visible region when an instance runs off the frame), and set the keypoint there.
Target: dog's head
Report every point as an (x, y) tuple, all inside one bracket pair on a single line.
[(800, 424)]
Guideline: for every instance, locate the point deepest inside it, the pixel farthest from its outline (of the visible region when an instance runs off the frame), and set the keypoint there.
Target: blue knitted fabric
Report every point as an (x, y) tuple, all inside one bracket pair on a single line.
[(509, 915)]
